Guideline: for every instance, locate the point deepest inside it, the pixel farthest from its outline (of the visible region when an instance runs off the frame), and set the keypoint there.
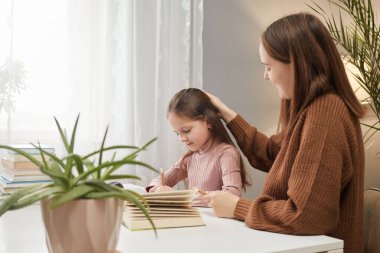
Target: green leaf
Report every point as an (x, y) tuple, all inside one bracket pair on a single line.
[(63, 136), (8, 203), (123, 176), (75, 193), (110, 148), (35, 196), (72, 141), (107, 174), (23, 153), (102, 148), (78, 164)]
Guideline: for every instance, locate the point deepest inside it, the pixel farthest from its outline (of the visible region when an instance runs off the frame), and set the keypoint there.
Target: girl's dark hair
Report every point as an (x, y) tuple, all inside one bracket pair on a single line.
[(318, 69), (195, 104)]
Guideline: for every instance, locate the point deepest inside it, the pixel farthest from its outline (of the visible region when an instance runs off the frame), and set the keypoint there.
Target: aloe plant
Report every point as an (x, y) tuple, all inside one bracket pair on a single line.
[(79, 177), (361, 40)]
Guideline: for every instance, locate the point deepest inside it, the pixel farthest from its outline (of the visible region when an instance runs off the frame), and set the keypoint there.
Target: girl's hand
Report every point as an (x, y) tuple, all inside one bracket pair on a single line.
[(160, 188), (198, 200), (226, 113), (223, 203)]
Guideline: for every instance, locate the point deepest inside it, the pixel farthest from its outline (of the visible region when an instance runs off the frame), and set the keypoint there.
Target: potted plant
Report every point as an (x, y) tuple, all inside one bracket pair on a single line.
[(81, 211), (360, 39)]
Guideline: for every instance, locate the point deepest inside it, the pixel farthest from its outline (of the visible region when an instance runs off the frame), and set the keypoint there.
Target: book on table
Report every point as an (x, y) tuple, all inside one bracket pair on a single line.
[(17, 164), (17, 171), (169, 209), (7, 186), (21, 171), (30, 149)]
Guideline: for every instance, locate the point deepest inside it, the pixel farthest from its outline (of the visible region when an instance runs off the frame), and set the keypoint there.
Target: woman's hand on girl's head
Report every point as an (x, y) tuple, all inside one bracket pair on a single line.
[(223, 203), (226, 113)]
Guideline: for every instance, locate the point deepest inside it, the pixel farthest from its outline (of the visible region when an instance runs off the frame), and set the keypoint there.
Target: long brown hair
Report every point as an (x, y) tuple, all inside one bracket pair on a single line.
[(196, 105), (318, 69)]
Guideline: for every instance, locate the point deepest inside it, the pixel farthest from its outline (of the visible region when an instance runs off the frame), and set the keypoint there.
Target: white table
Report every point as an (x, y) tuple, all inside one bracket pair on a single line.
[(22, 231)]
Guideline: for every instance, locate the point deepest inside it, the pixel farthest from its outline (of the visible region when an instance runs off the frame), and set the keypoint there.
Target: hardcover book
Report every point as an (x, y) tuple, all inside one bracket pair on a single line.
[(18, 165), (30, 149), (169, 209)]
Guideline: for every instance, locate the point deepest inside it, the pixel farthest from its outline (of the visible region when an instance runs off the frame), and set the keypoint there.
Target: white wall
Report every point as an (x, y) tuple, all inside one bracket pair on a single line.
[(232, 68)]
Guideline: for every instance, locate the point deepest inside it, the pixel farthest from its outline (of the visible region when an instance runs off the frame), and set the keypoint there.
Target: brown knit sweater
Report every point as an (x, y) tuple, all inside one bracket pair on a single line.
[(315, 176)]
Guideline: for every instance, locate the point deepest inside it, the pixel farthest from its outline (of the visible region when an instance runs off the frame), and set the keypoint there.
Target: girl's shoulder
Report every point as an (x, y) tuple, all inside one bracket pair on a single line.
[(223, 148)]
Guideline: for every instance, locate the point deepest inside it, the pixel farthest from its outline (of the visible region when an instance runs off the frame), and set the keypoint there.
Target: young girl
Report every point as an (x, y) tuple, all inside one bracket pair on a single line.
[(212, 162)]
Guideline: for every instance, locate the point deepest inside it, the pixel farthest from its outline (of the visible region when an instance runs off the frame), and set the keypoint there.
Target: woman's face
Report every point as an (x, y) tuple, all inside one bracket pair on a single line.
[(279, 73)]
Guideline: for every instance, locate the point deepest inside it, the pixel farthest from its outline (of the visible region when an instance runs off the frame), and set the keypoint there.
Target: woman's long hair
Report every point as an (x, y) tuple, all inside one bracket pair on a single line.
[(318, 69), (196, 105)]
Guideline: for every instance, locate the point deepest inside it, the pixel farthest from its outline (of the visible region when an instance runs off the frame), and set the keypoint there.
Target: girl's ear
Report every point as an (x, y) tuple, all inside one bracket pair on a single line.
[(208, 124)]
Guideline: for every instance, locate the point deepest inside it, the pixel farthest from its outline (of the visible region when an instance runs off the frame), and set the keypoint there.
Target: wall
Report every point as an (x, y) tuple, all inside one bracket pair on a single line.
[(232, 68)]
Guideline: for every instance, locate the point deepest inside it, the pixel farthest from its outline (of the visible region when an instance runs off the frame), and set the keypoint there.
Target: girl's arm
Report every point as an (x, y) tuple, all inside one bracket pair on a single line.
[(172, 177), (230, 168)]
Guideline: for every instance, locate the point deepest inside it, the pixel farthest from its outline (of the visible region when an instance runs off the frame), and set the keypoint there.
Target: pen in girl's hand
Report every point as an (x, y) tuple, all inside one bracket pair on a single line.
[(201, 191), (162, 175)]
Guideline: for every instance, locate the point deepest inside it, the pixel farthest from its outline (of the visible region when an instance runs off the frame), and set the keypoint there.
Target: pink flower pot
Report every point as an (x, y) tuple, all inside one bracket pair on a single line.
[(84, 225)]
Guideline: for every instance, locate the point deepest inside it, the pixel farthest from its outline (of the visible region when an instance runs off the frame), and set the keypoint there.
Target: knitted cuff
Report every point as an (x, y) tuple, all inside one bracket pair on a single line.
[(242, 208)]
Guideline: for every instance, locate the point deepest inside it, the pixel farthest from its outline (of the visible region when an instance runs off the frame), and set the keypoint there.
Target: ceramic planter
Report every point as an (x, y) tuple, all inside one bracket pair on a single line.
[(84, 225)]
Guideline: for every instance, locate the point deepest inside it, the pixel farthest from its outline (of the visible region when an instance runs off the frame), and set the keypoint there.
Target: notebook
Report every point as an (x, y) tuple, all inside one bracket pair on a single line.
[(170, 209)]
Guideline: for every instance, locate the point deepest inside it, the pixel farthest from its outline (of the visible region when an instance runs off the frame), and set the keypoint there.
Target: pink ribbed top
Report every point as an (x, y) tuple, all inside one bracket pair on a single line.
[(214, 167)]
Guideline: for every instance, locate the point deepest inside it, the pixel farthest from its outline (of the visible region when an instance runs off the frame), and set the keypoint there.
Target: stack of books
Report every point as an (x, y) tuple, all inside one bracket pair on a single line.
[(169, 209), (17, 171)]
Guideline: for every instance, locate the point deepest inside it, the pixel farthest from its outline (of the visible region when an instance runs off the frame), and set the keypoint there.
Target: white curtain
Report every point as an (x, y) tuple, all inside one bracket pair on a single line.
[(167, 57), (116, 62)]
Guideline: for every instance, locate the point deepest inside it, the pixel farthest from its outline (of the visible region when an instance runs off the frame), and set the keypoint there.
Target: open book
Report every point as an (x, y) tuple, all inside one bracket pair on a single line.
[(167, 209)]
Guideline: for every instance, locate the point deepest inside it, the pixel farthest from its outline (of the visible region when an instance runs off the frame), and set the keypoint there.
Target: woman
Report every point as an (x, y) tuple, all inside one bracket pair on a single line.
[(315, 162)]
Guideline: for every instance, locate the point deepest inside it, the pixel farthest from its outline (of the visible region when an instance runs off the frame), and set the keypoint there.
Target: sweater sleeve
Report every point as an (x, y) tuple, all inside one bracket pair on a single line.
[(260, 150), (315, 182), (230, 168)]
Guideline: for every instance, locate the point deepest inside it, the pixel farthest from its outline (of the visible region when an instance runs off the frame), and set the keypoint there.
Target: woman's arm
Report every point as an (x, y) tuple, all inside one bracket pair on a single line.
[(260, 150)]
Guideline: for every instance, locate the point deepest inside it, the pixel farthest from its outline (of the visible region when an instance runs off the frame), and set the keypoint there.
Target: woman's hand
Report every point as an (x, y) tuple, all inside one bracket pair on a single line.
[(223, 203), (227, 113)]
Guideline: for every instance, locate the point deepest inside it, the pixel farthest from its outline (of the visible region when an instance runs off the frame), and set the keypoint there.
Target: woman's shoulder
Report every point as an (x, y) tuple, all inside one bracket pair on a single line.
[(328, 103)]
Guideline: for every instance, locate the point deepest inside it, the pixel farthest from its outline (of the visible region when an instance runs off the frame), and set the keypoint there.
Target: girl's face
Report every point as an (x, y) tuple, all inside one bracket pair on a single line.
[(280, 74), (194, 133)]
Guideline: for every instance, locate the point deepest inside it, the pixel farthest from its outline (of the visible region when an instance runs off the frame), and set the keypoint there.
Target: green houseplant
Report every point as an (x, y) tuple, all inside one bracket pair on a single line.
[(360, 39), (78, 178)]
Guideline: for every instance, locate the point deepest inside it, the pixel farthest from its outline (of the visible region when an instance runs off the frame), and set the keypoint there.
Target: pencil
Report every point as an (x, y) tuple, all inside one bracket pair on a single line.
[(162, 175), (202, 192)]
